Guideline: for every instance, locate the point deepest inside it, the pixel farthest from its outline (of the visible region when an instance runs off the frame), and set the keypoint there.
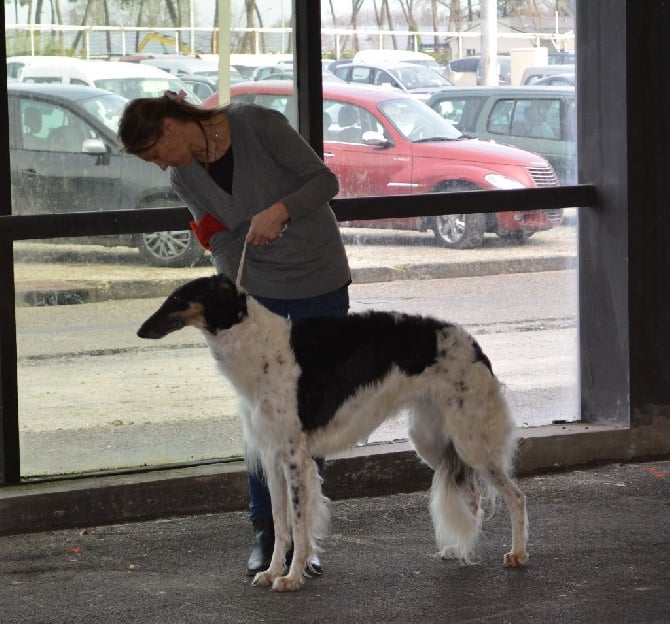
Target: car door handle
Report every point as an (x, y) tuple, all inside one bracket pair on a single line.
[(31, 173), (328, 155)]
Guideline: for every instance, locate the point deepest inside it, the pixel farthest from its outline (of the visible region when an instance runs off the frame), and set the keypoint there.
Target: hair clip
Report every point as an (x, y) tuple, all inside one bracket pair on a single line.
[(173, 95)]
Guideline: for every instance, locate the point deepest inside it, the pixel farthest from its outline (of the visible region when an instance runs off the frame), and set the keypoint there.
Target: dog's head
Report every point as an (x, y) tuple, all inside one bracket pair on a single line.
[(209, 303)]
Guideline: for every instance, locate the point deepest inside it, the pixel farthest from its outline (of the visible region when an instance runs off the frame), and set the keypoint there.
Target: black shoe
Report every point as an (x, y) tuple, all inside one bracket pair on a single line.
[(312, 567), (261, 553)]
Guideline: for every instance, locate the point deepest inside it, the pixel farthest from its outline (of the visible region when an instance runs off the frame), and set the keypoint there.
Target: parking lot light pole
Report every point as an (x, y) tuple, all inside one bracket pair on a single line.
[(489, 43)]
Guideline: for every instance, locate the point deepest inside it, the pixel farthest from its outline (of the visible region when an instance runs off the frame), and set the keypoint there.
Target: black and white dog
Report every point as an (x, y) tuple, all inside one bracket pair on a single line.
[(314, 387)]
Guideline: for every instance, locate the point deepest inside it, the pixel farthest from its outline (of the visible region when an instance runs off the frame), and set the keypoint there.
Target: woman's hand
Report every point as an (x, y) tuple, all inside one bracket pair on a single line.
[(268, 225)]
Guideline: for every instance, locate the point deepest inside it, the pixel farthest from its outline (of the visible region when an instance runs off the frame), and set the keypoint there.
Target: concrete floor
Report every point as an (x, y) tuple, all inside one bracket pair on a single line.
[(599, 552)]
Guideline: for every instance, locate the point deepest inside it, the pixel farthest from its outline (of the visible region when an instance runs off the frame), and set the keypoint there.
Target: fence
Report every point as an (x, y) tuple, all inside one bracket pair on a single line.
[(113, 41)]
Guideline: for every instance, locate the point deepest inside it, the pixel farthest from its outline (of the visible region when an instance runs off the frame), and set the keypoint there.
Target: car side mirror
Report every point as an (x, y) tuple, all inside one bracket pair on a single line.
[(375, 139), (93, 146), (96, 147)]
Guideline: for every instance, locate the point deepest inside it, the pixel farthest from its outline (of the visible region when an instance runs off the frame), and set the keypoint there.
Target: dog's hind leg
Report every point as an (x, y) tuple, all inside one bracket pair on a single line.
[(454, 495), (455, 506), (516, 503), (490, 453), (426, 432)]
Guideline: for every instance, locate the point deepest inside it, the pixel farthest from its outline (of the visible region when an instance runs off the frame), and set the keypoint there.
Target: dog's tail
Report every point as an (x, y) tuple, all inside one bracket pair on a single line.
[(455, 506)]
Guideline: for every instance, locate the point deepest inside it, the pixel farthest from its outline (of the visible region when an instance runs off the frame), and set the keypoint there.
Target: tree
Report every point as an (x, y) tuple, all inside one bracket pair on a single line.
[(250, 9), (174, 12), (407, 7), (85, 19), (332, 12), (383, 17), (535, 8), (355, 9)]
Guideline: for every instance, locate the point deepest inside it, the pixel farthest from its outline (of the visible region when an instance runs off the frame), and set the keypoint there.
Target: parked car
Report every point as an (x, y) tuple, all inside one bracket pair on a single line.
[(562, 58), (402, 56), (538, 119), (330, 64), (416, 80), (381, 142), (130, 80), (65, 157), (16, 63), (275, 71), (467, 71), (185, 64), (247, 63), (284, 71), (202, 86), (532, 74), (556, 80)]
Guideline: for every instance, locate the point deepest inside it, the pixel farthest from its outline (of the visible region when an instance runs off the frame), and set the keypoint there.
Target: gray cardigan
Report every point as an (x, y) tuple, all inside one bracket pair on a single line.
[(272, 162)]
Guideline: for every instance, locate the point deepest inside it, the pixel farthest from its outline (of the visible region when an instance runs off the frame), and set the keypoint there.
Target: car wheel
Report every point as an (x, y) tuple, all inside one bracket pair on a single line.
[(170, 249), (460, 231)]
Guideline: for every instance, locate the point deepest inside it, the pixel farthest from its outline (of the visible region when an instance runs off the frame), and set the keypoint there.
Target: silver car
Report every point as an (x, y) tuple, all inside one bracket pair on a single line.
[(65, 157)]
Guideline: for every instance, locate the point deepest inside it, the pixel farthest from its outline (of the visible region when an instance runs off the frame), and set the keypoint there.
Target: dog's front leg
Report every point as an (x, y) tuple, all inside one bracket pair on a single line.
[(304, 493), (276, 482)]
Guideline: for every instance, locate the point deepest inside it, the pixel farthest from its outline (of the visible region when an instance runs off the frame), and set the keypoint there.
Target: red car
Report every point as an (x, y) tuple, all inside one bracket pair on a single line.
[(379, 142)]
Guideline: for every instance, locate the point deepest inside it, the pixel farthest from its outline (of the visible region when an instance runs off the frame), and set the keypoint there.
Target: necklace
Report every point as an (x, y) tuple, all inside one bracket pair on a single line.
[(214, 145), (214, 150), (214, 155)]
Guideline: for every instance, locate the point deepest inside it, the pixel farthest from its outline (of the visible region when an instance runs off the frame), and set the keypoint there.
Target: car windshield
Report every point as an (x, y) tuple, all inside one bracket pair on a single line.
[(419, 77), (416, 122), (106, 108)]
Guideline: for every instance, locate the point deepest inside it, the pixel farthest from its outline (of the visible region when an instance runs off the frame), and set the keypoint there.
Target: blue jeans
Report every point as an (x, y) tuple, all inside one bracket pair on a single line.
[(335, 303)]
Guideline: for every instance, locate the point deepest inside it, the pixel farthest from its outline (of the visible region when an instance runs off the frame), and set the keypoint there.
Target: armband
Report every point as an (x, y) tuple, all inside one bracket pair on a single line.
[(206, 228)]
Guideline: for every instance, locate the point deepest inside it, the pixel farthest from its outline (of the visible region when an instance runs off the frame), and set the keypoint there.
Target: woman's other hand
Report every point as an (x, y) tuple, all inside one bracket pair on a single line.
[(268, 225)]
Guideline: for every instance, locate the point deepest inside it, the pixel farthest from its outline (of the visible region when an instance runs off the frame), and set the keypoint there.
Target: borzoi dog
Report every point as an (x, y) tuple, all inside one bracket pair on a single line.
[(310, 388)]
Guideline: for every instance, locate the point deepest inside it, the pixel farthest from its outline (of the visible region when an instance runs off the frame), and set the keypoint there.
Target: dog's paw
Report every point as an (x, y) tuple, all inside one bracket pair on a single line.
[(456, 553), (450, 552), (285, 584), (515, 560), (263, 579)]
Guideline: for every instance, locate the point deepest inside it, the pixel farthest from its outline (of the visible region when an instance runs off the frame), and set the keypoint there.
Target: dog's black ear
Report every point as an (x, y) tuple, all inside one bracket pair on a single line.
[(223, 304)]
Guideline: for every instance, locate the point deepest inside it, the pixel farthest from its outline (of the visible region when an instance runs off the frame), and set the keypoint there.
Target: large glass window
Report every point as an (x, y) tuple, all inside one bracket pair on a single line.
[(93, 396), (505, 276)]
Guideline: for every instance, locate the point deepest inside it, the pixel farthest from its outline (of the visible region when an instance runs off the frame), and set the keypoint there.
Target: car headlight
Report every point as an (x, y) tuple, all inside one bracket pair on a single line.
[(502, 182)]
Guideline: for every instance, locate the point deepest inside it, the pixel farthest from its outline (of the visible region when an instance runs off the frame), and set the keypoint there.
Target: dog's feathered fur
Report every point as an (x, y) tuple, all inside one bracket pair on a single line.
[(314, 387)]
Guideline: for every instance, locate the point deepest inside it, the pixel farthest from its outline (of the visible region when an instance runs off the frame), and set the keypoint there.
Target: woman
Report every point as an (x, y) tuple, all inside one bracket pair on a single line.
[(247, 176)]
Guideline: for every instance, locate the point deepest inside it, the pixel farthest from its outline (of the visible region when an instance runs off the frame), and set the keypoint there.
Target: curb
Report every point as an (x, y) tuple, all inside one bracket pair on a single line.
[(449, 270), (50, 293)]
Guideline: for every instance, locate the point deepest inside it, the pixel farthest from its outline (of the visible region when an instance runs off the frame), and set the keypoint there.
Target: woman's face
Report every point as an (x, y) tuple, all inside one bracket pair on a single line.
[(172, 148)]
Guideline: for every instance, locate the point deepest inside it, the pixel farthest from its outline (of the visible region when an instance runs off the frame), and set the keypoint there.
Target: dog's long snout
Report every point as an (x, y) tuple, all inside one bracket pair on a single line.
[(161, 323), (156, 327), (146, 331)]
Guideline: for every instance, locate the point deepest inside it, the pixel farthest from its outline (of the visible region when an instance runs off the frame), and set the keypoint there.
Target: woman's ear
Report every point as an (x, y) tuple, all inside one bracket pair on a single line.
[(168, 125)]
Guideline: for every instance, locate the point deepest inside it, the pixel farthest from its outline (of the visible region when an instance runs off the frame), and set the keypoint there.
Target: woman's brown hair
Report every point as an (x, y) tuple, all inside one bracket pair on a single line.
[(141, 124)]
